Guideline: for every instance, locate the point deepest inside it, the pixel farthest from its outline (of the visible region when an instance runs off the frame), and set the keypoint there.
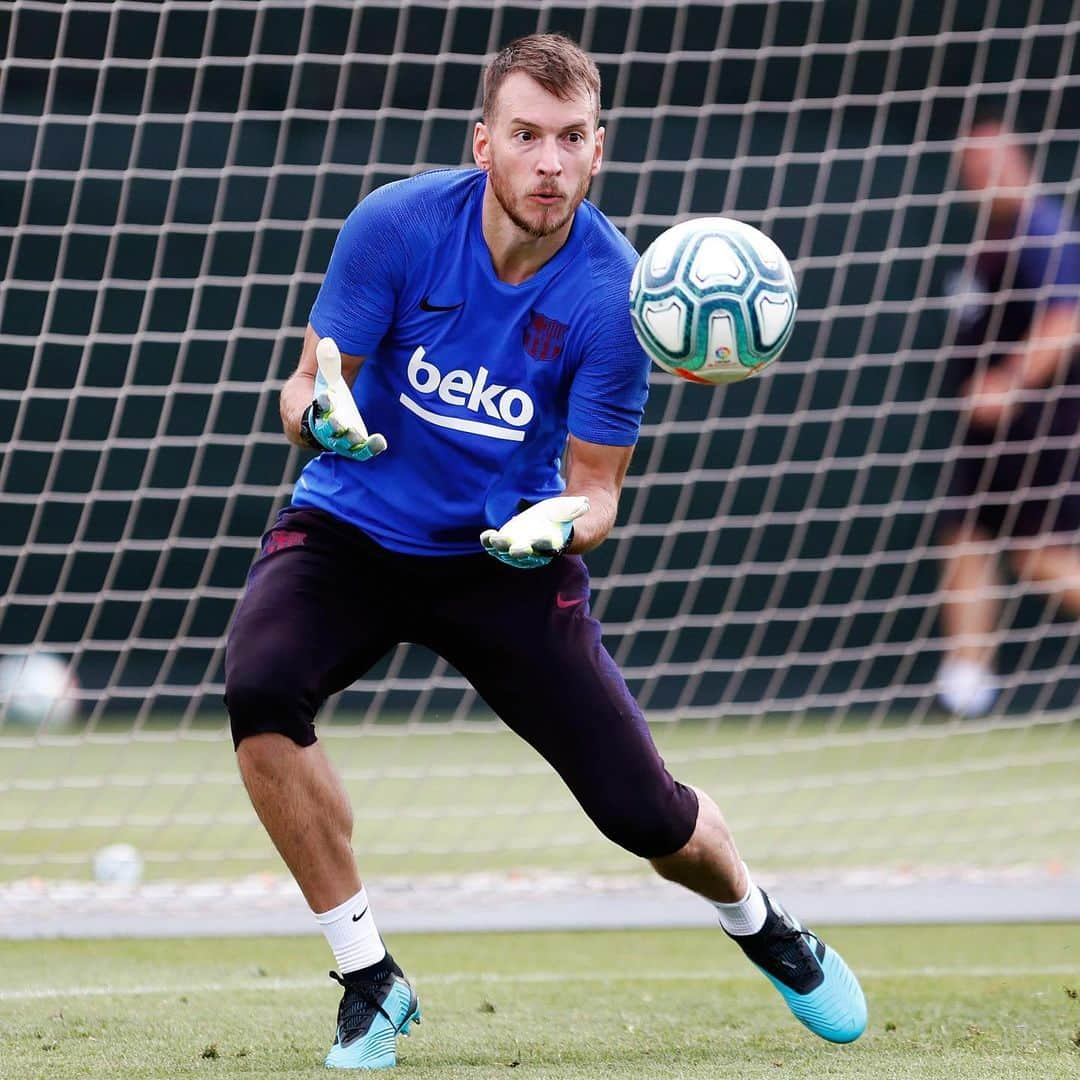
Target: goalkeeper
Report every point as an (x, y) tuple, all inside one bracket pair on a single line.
[(477, 320)]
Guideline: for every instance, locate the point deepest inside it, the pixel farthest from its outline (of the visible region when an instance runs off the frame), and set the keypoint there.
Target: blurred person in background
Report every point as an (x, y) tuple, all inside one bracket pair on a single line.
[(1015, 367)]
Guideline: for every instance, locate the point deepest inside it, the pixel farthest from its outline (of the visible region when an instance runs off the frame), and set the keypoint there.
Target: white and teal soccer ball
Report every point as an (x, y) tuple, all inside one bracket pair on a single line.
[(713, 300)]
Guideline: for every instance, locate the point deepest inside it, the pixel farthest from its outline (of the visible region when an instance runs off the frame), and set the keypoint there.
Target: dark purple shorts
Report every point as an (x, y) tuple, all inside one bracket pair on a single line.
[(324, 603), (1016, 493), (1028, 483)]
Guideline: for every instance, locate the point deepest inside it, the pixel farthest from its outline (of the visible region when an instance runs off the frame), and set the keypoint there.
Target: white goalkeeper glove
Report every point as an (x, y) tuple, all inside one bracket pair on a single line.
[(332, 421), (535, 536)]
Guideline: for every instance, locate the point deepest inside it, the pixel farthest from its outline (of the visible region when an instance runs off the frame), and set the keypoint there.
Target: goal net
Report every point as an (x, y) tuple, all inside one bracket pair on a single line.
[(172, 177)]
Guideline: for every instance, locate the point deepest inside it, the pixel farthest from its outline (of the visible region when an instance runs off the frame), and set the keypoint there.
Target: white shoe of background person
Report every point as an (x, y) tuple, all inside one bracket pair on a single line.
[(966, 687)]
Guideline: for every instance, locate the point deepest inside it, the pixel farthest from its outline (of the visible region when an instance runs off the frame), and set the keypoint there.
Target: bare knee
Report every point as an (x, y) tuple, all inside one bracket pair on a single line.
[(709, 827), (265, 753), (1044, 563)]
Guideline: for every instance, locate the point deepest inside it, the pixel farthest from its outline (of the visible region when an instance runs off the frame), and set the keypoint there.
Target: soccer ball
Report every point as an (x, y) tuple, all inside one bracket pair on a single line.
[(118, 864), (713, 300), (37, 691)]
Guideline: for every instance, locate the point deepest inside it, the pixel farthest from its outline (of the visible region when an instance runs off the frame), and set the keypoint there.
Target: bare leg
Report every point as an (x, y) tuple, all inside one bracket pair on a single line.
[(708, 863), (303, 805), (1057, 565), (819, 988), (969, 614)]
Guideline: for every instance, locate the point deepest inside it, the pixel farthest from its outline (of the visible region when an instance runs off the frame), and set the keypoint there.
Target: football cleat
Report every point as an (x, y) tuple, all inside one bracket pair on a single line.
[(374, 1011), (819, 988)]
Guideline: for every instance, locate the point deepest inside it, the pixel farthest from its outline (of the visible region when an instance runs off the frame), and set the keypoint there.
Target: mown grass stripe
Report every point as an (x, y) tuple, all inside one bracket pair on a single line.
[(526, 977)]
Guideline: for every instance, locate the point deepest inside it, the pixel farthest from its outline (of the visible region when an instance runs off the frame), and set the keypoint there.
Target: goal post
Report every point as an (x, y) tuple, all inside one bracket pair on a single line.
[(172, 177)]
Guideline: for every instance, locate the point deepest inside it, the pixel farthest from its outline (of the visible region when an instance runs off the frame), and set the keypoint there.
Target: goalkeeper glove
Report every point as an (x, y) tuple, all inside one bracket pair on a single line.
[(535, 536), (332, 421)]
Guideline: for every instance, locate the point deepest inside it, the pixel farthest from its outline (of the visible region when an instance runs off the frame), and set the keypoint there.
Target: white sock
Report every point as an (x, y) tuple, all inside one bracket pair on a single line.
[(966, 687), (351, 934), (745, 916)]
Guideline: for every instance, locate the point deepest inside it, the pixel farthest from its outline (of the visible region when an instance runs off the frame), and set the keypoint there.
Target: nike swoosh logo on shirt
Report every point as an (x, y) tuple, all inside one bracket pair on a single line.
[(426, 305), (357, 918), (568, 601)]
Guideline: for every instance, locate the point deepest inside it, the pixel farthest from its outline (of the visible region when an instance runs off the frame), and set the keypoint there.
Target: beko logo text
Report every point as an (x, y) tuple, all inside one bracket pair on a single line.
[(461, 388)]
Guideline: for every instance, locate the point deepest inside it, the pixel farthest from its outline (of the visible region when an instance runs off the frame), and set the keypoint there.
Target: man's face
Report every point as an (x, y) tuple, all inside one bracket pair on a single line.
[(992, 163), (540, 153)]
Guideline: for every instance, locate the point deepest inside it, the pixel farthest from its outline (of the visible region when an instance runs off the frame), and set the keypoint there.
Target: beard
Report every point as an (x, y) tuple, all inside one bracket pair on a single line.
[(547, 219)]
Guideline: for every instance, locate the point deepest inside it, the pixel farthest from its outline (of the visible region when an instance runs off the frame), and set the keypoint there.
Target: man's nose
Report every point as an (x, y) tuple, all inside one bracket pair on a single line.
[(549, 161)]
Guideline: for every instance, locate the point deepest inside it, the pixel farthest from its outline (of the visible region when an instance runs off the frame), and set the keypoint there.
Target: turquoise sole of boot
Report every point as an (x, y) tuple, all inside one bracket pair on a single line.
[(377, 1049), (836, 1010)]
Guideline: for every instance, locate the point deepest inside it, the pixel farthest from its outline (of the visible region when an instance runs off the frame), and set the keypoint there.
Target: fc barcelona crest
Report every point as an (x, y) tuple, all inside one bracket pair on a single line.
[(543, 337)]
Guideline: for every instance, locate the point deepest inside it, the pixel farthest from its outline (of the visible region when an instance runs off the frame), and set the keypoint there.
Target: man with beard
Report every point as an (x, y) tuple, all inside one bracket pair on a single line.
[(481, 318)]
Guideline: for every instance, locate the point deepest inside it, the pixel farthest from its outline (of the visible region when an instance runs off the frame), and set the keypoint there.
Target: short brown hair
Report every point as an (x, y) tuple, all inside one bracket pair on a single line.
[(558, 64)]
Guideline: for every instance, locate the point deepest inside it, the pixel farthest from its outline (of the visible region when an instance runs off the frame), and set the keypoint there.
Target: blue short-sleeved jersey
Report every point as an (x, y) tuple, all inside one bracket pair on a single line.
[(1020, 268), (1017, 270), (475, 383)]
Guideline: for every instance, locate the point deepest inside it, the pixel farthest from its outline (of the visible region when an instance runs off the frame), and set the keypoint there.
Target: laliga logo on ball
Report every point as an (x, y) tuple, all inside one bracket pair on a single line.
[(713, 300)]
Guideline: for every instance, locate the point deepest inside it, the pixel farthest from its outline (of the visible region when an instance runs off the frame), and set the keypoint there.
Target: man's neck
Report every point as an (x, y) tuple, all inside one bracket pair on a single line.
[(515, 255)]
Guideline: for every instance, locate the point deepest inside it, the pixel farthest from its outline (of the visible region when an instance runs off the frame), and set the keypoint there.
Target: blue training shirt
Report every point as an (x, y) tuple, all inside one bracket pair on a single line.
[(1032, 262), (475, 383), (1020, 267)]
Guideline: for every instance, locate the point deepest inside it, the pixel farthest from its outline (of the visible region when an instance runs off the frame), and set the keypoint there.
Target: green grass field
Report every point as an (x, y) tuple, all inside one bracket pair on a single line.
[(964, 1002), (850, 794)]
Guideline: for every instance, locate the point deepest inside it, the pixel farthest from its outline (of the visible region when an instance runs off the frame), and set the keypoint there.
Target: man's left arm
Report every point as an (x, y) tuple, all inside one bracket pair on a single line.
[(1037, 361), (606, 401), (597, 473), (574, 522)]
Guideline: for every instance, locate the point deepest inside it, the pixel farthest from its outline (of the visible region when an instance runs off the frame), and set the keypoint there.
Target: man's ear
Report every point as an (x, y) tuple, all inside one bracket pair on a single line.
[(598, 152), (481, 146)]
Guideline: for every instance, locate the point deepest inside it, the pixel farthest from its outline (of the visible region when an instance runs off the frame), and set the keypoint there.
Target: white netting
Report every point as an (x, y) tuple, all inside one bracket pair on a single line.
[(172, 176)]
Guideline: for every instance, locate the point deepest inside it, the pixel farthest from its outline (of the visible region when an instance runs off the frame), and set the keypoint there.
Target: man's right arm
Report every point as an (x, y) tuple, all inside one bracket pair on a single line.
[(1041, 359), (299, 389)]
